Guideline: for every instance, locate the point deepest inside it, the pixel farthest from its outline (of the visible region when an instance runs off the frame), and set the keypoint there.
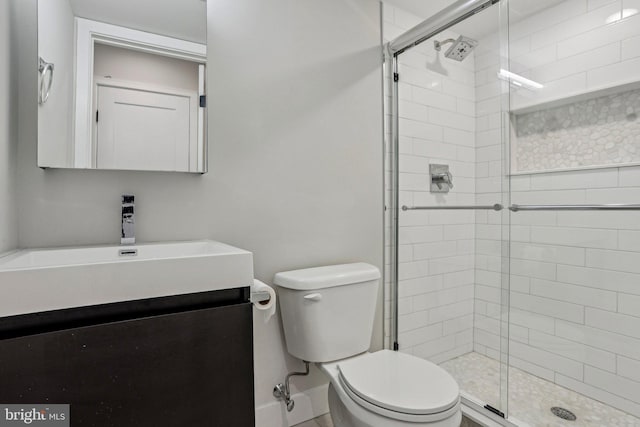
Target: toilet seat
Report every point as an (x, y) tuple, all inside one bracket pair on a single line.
[(400, 386)]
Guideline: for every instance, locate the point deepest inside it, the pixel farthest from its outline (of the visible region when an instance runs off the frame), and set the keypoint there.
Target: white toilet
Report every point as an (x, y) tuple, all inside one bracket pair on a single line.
[(328, 315)]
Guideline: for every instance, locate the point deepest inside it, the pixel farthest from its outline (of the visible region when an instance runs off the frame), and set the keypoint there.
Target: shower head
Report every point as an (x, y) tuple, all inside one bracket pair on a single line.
[(460, 49)]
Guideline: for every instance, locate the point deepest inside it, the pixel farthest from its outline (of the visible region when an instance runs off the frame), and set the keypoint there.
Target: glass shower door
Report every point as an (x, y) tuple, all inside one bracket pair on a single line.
[(574, 321), (450, 165)]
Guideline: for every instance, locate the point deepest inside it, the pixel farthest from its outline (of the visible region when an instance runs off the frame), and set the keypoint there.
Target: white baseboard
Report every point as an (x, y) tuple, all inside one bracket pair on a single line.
[(310, 404)]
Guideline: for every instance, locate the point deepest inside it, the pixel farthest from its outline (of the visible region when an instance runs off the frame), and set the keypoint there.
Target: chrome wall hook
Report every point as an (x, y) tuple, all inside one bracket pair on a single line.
[(45, 68)]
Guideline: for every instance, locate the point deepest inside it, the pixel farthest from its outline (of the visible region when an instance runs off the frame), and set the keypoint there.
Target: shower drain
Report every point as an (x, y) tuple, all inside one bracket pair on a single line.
[(565, 414)]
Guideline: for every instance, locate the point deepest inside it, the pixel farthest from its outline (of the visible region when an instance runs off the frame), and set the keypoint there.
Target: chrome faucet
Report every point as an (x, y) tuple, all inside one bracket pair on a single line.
[(128, 236), (441, 178)]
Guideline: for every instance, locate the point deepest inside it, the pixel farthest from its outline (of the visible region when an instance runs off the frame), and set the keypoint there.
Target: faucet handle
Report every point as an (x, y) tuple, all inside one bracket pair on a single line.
[(128, 222), (448, 178), (441, 178)]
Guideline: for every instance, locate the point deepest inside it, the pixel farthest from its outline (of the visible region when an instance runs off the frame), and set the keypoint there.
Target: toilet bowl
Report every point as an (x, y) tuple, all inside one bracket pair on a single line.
[(327, 315), (388, 388)]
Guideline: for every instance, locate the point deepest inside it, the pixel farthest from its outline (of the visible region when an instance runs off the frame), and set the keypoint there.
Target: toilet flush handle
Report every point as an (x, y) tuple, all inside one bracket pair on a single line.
[(313, 297)]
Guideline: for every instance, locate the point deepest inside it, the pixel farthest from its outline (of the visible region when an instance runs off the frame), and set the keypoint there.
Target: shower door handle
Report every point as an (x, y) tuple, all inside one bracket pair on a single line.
[(605, 207), (496, 207)]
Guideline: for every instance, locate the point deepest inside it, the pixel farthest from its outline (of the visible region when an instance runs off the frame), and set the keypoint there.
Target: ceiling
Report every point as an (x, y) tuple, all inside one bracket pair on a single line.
[(186, 19), (479, 25), (182, 19)]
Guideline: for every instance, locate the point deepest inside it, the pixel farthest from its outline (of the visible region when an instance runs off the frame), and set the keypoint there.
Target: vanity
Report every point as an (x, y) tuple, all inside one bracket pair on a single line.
[(144, 335), (132, 335)]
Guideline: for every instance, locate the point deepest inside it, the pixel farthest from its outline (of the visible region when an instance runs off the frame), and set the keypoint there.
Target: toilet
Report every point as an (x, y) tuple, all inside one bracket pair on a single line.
[(328, 314)]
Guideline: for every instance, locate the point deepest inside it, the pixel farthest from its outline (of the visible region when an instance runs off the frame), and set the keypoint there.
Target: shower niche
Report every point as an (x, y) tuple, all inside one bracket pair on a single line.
[(590, 130)]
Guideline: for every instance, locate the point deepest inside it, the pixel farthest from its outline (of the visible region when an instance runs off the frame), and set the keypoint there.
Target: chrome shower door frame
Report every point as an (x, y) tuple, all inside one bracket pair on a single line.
[(448, 17)]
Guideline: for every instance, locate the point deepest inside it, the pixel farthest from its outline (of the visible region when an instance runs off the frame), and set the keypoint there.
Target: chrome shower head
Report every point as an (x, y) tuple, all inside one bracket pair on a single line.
[(460, 49)]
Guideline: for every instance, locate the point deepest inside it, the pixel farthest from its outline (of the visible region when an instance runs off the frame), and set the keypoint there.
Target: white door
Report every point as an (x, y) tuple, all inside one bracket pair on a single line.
[(145, 130)]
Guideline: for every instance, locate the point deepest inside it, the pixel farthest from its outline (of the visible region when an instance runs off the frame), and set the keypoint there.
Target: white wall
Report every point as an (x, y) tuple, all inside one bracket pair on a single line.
[(136, 66), (181, 20), (295, 159), (56, 30), (436, 249), (8, 131)]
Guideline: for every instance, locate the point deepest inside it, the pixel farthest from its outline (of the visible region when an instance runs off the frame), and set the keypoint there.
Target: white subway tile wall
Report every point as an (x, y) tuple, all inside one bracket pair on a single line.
[(436, 251), (572, 48)]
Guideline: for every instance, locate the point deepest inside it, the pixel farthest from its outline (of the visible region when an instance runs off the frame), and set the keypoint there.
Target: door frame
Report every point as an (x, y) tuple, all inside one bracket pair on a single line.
[(88, 33)]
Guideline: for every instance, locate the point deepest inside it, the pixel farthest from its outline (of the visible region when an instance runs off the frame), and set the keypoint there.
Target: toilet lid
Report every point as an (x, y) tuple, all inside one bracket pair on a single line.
[(400, 382)]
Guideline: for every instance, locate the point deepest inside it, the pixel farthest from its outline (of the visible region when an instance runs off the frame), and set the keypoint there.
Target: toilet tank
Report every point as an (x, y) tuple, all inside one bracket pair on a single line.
[(328, 312)]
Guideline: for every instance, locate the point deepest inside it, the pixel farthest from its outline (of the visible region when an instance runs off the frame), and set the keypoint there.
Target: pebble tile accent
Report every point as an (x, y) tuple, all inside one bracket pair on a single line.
[(595, 132)]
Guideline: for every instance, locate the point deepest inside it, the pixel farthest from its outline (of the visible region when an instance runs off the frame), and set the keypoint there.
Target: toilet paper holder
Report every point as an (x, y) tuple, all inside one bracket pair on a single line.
[(259, 296), (263, 298)]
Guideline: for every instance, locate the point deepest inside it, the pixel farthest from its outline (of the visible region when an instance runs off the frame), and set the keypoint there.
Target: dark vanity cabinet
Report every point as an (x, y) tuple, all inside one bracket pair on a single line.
[(165, 362)]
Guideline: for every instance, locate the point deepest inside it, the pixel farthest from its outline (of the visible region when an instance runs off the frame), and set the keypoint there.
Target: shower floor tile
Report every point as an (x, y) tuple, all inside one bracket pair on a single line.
[(531, 397)]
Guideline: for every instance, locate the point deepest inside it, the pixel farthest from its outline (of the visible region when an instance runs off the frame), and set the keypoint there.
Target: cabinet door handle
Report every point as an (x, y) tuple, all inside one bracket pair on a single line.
[(313, 297)]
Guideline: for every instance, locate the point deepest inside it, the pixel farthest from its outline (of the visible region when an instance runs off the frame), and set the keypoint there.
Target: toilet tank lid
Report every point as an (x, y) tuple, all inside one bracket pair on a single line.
[(327, 277)]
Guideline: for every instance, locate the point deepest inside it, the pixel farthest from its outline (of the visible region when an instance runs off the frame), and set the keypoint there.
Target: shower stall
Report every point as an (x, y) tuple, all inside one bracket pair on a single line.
[(513, 205)]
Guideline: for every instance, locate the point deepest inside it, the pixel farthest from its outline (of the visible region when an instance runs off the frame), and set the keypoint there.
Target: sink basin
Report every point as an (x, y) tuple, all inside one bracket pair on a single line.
[(35, 280)]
